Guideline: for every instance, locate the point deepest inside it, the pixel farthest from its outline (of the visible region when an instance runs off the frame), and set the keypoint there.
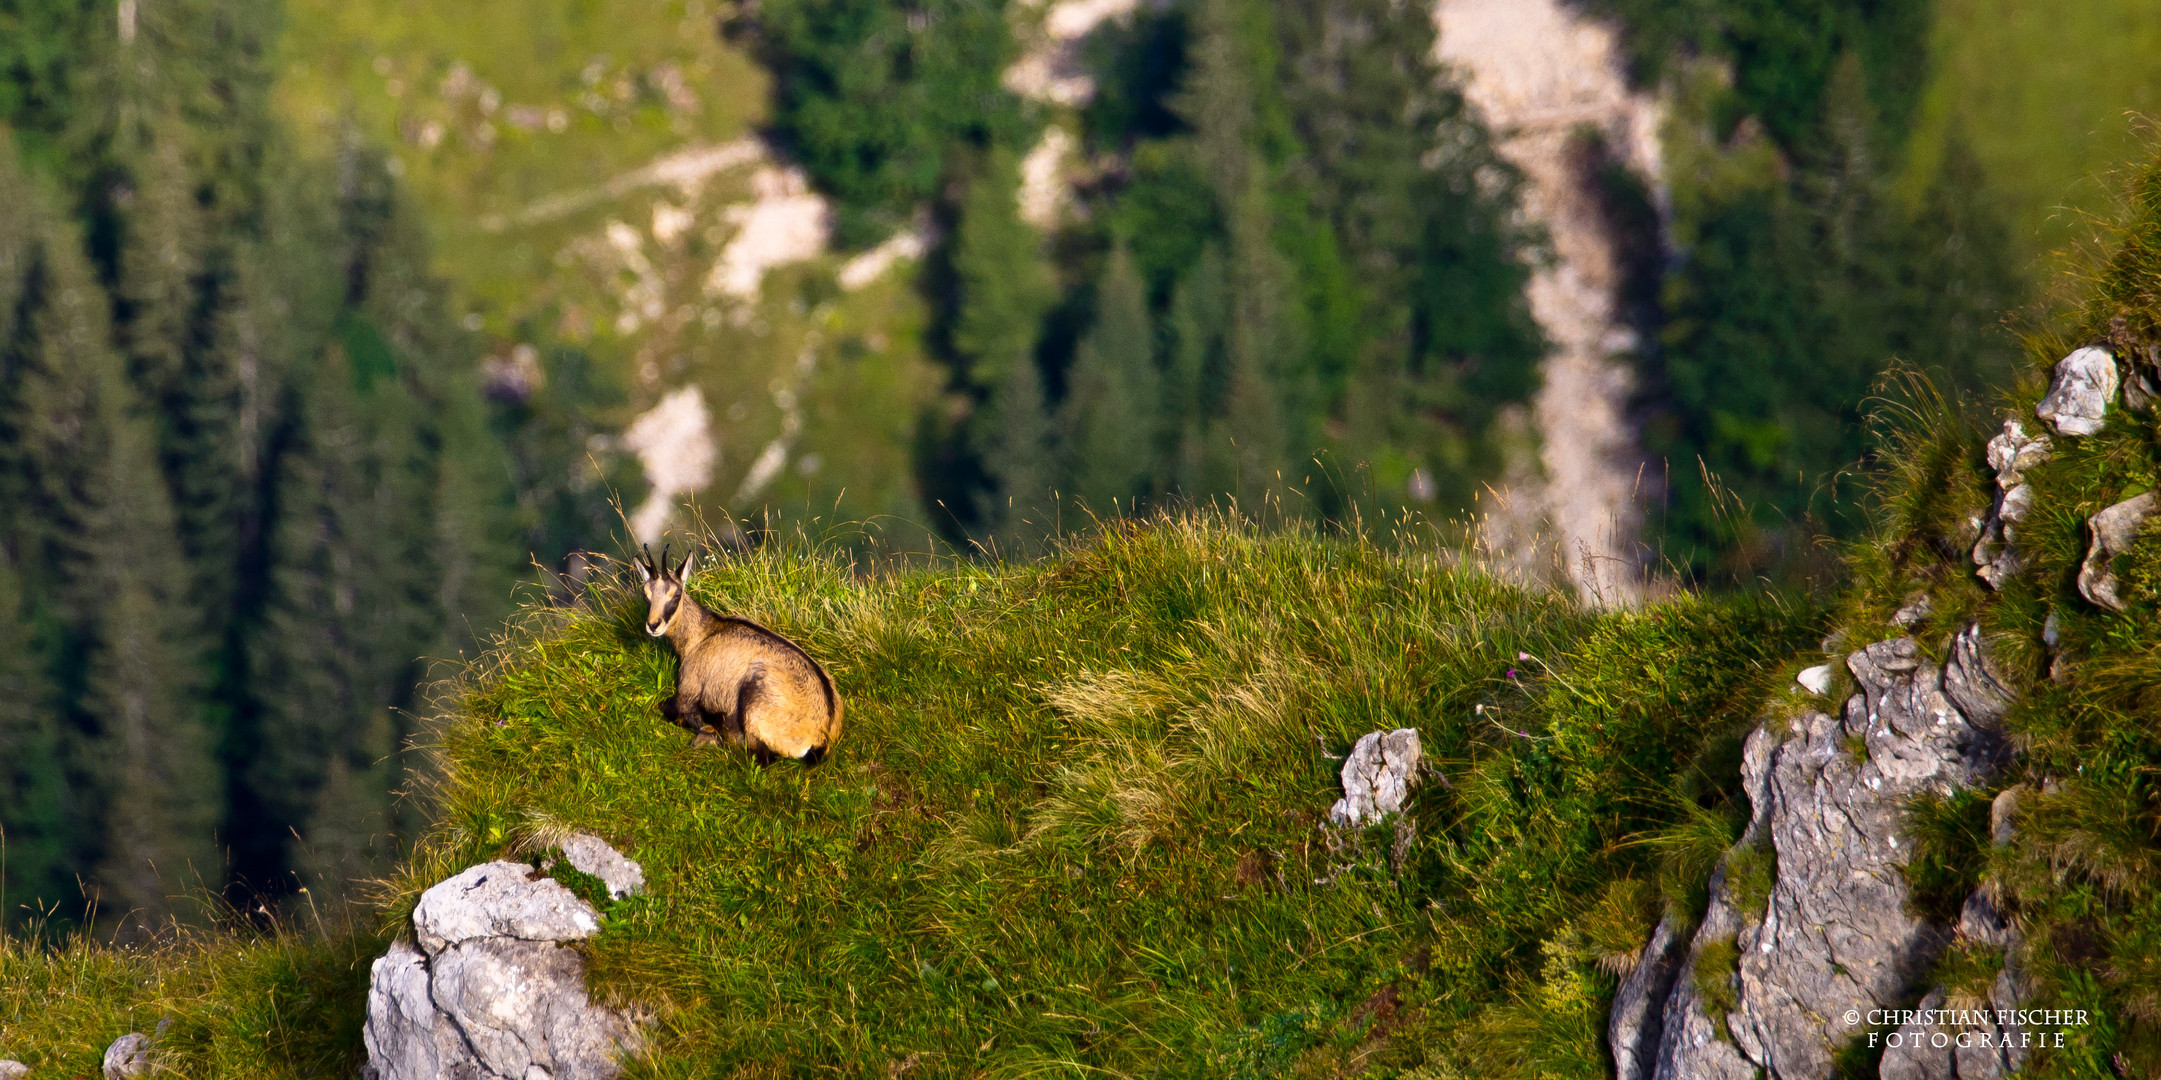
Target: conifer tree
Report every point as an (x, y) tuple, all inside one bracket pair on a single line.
[(1108, 428), (389, 549), (105, 535), (1193, 384), (1004, 290), (33, 784), (325, 676), (248, 480), (1265, 369)]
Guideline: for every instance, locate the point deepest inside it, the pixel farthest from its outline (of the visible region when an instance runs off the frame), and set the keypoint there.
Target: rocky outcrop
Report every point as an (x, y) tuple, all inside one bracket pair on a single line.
[(13, 1070), (590, 854), (1377, 777), (487, 990), (1833, 939), (2010, 454), (2078, 398), (1639, 1004), (2112, 533), (129, 1056), (1966, 1040)]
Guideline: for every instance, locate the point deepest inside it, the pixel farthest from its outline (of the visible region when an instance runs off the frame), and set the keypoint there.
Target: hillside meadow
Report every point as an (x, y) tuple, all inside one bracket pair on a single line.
[(1074, 827)]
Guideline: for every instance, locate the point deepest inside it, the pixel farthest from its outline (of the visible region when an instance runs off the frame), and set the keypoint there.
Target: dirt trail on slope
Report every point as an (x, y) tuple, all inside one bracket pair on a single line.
[(1539, 73)]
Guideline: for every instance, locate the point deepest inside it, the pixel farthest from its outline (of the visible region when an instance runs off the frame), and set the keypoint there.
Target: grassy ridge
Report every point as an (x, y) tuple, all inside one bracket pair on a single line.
[(1074, 825)]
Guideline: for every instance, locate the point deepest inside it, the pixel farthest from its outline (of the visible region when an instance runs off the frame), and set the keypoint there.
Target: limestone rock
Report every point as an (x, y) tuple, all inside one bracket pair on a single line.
[(1913, 611), (2142, 379), (2003, 814), (1913, 1058), (591, 855), (500, 899), (407, 1037), (490, 993), (13, 1070), (2079, 395), (1835, 935), (1816, 680), (1377, 777), (2010, 454), (1983, 1049), (128, 1057), (2013, 452), (1981, 923), (2114, 530), (1639, 1003)]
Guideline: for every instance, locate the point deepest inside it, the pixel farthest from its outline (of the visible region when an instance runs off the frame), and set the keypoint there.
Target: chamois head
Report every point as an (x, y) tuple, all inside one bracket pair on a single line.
[(663, 589)]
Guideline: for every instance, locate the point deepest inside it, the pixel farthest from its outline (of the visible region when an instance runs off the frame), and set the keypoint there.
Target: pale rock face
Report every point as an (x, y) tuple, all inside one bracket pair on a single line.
[(1985, 1055), (591, 855), (674, 443), (2114, 531), (1377, 777), (1639, 1004), (2079, 396), (2142, 379), (500, 899), (1816, 680), (1540, 72), (13, 1070), (127, 1057), (490, 993), (2011, 453), (1916, 609), (1835, 934)]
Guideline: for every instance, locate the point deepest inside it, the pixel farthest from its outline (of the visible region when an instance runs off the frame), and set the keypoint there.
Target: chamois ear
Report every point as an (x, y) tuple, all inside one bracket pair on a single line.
[(689, 557), (644, 563)]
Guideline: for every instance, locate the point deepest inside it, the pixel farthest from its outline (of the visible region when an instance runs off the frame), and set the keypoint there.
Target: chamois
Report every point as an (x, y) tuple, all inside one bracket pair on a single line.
[(739, 681)]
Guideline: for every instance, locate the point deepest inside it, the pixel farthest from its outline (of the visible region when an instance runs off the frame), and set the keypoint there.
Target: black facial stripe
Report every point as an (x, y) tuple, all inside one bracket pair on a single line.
[(668, 615)]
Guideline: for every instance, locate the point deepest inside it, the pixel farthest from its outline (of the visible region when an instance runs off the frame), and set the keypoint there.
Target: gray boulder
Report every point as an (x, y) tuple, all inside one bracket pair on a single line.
[(1965, 1040), (1639, 1004), (2114, 531), (2079, 395), (128, 1057), (1834, 937), (2142, 379), (488, 992), (2013, 452), (591, 855), (1377, 777), (2010, 454), (13, 1070)]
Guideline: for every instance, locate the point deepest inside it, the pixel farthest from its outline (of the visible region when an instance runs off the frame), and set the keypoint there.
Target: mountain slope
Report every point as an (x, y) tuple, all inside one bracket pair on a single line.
[(1075, 823)]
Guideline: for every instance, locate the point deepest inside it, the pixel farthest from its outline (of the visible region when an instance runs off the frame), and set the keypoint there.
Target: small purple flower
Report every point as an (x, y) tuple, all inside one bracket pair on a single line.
[(1511, 673)]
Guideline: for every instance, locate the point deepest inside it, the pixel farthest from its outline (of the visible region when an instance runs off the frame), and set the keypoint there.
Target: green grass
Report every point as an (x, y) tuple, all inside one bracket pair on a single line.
[(2047, 95), (282, 1004), (2082, 875), (467, 99), (1716, 972), (1074, 825)]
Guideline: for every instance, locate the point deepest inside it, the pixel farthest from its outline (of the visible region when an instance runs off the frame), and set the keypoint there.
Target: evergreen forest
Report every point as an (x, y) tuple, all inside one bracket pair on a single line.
[(280, 434)]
